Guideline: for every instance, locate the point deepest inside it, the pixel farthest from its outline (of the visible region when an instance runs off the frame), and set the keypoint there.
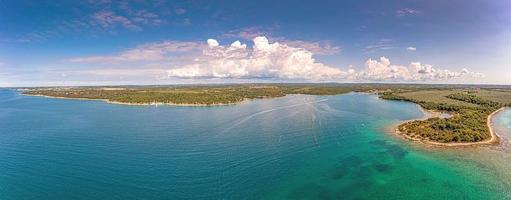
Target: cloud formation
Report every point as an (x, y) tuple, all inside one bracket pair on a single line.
[(249, 33), (383, 70), (147, 52), (108, 19), (411, 48), (317, 48), (285, 62), (264, 60), (380, 45), (407, 12)]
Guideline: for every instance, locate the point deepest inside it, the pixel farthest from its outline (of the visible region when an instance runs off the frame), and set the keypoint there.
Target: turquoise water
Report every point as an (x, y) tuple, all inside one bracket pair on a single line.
[(295, 147)]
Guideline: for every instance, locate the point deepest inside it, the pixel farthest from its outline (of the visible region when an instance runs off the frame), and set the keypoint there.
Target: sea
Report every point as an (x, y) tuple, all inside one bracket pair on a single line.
[(292, 147)]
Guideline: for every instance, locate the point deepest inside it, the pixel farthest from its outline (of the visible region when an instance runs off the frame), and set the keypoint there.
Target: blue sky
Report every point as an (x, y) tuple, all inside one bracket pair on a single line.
[(103, 42)]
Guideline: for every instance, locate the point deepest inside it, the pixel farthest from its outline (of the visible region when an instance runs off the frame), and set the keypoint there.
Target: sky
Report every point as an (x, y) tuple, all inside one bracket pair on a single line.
[(107, 42)]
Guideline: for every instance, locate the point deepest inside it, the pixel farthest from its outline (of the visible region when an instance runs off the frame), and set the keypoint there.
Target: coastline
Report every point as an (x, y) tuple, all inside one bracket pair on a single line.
[(140, 104), (493, 140), (168, 104)]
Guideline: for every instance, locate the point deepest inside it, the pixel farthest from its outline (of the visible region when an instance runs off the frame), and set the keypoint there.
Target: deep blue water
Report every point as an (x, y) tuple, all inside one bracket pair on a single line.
[(295, 147)]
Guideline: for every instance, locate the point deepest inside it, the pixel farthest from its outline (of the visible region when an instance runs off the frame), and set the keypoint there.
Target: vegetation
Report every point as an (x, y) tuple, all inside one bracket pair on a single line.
[(196, 95), (199, 94), (469, 109), (187, 95)]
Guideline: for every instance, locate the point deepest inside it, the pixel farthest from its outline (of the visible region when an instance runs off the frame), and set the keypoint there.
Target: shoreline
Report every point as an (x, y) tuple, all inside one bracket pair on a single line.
[(493, 140), (170, 104), (139, 104)]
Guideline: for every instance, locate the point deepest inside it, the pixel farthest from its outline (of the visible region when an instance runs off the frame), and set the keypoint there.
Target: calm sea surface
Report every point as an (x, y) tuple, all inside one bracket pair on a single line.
[(295, 147)]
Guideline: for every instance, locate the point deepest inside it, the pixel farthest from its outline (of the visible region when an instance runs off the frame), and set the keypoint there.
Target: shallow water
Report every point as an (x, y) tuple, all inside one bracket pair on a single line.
[(295, 147)]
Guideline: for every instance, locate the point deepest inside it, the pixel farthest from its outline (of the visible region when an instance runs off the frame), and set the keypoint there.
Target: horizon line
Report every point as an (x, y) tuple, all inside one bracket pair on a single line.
[(263, 83)]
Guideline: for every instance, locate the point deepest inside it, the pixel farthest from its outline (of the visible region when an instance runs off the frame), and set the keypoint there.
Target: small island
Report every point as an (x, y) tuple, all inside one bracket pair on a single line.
[(469, 108)]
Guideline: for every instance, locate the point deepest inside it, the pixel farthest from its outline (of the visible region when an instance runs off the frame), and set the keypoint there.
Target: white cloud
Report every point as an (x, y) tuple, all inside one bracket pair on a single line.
[(120, 72), (105, 16), (264, 60), (212, 43), (285, 62), (318, 48), (407, 12), (126, 16), (108, 19), (147, 18), (380, 45), (411, 48), (383, 70), (249, 33)]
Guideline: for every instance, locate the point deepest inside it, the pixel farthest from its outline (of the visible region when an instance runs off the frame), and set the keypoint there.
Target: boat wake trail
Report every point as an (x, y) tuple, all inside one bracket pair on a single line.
[(271, 110)]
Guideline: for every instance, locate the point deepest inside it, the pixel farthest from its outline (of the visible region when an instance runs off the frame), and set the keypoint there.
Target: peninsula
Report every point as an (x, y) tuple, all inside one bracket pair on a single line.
[(470, 112)]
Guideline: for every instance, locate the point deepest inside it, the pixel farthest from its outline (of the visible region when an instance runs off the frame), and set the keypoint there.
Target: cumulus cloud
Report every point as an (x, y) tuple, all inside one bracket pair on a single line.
[(411, 48), (261, 60), (249, 33), (383, 70), (264, 60)]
